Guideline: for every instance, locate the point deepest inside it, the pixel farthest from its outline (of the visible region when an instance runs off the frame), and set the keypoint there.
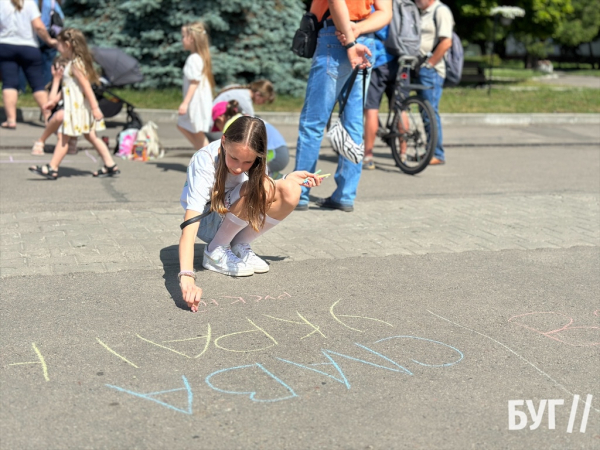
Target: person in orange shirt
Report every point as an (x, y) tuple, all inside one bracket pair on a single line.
[(351, 22)]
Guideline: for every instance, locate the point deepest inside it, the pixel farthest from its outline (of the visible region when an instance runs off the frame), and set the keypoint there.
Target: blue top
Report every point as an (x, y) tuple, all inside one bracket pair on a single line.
[(274, 137), (46, 8), (381, 56)]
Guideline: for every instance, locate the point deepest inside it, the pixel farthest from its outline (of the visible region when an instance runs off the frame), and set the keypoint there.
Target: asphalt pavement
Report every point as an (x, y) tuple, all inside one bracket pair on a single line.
[(453, 309)]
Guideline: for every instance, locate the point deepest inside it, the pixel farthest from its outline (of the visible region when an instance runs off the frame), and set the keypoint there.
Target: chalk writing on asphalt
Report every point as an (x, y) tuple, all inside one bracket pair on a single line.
[(577, 336), (265, 378)]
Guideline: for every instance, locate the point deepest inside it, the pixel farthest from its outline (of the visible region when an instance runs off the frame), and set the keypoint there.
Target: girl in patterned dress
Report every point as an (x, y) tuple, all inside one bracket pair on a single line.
[(82, 114), (195, 112)]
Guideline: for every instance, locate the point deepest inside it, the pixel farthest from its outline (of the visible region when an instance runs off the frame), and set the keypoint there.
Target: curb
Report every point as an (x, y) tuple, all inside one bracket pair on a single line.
[(293, 118)]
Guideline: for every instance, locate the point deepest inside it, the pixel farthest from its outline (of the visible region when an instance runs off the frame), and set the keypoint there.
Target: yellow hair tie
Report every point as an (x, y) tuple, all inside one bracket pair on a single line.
[(230, 121)]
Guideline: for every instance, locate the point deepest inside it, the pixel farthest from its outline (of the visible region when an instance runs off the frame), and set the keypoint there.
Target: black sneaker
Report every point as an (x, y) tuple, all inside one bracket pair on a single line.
[(330, 204)]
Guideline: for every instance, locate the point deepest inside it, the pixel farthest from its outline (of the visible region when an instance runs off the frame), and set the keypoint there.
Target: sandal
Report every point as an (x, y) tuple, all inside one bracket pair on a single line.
[(9, 125), (38, 149), (45, 171), (107, 171)]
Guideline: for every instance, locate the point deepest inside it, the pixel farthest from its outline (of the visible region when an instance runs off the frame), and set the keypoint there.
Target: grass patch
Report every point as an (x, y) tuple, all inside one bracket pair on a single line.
[(543, 99), (514, 74), (462, 100), (587, 73)]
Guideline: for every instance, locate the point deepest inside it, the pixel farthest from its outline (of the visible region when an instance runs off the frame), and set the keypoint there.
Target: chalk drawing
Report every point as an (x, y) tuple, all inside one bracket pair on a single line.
[(256, 330), (87, 153), (554, 334), (149, 396), (251, 394), (115, 353), (240, 300), (162, 346), (346, 315), (41, 361), (428, 340), (512, 351), (343, 379), (207, 337), (316, 329)]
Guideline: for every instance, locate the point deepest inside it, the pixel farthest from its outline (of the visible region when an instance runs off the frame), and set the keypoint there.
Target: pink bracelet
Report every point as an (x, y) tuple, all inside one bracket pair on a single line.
[(186, 273)]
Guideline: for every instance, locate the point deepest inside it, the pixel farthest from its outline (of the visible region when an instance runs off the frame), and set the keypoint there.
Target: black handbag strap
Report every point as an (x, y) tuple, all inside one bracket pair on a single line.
[(350, 84), (194, 219)]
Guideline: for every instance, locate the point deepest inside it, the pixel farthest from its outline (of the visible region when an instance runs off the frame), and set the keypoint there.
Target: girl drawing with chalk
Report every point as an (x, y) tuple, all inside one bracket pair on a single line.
[(228, 190)]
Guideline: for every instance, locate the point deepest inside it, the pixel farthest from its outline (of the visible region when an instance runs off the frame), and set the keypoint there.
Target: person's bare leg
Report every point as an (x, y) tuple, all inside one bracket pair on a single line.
[(371, 127), (403, 127), (53, 125), (285, 194), (9, 97), (60, 150), (198, 140), (101, 148), (41, 98)]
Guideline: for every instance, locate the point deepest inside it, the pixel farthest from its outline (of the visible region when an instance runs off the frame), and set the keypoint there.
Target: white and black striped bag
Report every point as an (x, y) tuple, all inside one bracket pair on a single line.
[(340, 139)]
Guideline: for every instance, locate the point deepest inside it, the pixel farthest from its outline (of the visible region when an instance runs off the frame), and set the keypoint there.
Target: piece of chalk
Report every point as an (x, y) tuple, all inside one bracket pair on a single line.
[(306, 179), (325, 176)]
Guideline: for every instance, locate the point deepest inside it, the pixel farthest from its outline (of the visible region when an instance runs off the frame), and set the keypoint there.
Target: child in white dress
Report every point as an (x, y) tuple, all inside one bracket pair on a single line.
[(196, 109), (82, 114)]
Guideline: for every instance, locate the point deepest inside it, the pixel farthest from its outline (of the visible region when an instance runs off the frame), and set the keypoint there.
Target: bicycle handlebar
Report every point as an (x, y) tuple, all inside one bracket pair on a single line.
[(413, 61)]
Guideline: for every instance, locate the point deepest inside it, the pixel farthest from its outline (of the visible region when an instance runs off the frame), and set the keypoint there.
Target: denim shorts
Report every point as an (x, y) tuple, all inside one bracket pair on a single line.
[(232, 196)]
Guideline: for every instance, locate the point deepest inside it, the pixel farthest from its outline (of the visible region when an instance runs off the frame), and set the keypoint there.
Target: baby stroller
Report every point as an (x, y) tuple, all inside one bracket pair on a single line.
[(118, 70)]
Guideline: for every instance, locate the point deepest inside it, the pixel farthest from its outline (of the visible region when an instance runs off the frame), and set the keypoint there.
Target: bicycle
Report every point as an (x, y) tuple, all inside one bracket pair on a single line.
[(411, 128)]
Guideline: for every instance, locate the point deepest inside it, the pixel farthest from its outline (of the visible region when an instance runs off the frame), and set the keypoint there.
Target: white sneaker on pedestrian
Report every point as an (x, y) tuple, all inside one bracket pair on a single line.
[(245, 253), (222, 260)]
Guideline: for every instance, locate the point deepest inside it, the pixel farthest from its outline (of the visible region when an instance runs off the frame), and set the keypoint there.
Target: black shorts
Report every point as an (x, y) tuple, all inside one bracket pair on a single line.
[(383, 79)]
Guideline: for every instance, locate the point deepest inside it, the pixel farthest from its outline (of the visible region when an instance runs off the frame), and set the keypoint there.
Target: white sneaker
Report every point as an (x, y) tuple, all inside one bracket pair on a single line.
[(245, 253), (222, 260)]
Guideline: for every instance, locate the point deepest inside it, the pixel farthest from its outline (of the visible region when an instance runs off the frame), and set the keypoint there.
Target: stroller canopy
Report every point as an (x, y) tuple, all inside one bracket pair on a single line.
[(118, 67)]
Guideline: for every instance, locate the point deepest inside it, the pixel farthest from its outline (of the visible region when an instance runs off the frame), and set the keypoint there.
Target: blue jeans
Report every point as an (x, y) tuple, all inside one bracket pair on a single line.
[(328, 75), (429, 77)]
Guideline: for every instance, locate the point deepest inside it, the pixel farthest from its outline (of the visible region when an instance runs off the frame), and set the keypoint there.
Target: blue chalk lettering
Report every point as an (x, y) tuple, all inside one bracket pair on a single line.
[(251, 394), (343, 378), (429, 340), (399, 367), (149, 396)]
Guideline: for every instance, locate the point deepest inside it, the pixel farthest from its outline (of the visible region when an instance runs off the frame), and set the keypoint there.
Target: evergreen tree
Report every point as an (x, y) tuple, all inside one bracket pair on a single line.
[(250, 39)]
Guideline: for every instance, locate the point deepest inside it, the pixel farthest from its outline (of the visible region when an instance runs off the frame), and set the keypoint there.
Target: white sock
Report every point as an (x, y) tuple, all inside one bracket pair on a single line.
[(248, 234), (230, 226)]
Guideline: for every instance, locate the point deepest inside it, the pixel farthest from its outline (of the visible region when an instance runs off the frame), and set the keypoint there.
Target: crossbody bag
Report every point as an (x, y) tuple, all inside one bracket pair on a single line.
[(340, 139)]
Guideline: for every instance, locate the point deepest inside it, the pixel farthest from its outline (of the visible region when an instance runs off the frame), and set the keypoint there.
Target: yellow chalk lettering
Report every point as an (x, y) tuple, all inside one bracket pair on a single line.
[(162, 346), (115, 353), (256, 330), (41, 361), (336, 317), (316, 329)]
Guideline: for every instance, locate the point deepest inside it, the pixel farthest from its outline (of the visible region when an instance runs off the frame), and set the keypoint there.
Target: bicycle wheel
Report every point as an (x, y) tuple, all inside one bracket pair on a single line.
[(414, 135)]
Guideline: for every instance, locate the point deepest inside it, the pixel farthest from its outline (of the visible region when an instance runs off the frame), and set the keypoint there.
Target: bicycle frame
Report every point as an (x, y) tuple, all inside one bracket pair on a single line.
[(402, 83)]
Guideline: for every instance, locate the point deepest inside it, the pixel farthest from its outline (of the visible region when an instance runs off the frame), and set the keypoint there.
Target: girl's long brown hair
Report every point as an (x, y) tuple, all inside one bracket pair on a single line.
[(197, 31), (81, 52), (251, 132), (265, 87)]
